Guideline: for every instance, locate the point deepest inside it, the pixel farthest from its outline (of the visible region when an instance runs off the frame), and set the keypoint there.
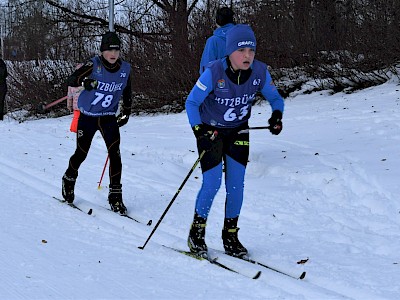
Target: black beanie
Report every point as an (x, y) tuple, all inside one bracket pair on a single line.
[(110, 41), (224, 16)]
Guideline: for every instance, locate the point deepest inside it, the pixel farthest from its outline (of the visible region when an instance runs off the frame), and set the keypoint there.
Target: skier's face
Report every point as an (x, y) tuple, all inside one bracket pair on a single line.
[(242, 58), (111, 55)]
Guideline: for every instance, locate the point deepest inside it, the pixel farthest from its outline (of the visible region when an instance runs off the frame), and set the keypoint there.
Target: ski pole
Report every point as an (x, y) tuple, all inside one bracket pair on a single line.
[(177, 192), (252, 128), (47, 106), (41, 107), (102, 174), (54, 102)]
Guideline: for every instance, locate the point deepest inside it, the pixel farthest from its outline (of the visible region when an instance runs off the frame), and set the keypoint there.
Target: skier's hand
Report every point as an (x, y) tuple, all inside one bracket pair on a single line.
[(123, 117), (205, 138), (89, 84), (275, 122), (122, 120)]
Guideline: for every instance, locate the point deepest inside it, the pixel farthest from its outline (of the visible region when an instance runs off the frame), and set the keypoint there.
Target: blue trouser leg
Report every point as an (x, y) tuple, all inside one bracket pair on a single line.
[(234, 184), (211, 184)]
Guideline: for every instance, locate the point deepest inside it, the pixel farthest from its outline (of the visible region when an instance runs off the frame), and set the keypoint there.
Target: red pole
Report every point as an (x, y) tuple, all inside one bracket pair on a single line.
[(102, 174), (55, 102)]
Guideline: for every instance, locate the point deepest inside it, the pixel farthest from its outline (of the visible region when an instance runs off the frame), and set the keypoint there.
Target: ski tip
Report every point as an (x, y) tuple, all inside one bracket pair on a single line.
[(257, 275), (141, 247), (302, 275)]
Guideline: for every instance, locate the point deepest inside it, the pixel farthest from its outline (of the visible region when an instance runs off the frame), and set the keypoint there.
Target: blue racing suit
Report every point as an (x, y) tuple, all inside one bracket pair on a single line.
[(215, 47)]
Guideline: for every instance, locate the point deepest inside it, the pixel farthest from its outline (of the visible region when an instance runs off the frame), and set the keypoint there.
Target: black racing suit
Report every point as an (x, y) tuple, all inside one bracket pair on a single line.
[(107, 125)]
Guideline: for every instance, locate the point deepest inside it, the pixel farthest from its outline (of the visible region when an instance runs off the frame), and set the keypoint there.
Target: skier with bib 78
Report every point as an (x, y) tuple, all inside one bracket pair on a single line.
[(221, 101), (105, 78)]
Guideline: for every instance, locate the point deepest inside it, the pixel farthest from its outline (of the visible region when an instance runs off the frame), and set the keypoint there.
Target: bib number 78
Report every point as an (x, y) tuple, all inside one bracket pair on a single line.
[(105, 99)]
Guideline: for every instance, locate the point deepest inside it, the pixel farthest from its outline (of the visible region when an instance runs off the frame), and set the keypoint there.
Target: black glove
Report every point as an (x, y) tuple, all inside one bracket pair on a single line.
[(123, 116), (89, 84), (205, 139), (275, 122)]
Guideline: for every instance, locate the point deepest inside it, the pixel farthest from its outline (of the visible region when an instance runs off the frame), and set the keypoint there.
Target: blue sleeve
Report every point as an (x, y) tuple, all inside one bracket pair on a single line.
[(199, 92), (270, 92), (209, 54)]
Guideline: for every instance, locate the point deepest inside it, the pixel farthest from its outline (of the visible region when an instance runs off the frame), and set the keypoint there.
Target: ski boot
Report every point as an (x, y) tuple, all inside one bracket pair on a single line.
[(196, 240), (68, 186), (230, 239), (115, 199)]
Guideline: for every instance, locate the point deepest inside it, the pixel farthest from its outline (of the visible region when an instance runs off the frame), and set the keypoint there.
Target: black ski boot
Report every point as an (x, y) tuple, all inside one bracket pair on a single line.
[(115, 199), (196, 240), (68, 186), (232, 245)]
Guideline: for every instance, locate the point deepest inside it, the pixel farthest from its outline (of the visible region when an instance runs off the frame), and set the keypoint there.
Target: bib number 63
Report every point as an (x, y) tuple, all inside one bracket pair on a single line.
[(230, 114)]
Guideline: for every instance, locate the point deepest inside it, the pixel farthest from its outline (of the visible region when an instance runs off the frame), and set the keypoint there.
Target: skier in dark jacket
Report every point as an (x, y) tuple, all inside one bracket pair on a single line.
[(3, 87), (105, 78), (221, 102), (215, 44)]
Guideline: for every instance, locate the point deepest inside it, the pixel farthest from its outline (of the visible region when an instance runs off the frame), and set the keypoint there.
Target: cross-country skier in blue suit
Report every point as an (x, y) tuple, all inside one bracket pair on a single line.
[(215, 47), (221, 101)]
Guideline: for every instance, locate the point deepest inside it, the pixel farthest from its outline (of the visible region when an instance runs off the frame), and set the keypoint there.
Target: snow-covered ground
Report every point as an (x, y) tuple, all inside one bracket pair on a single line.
[(326, 189)]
